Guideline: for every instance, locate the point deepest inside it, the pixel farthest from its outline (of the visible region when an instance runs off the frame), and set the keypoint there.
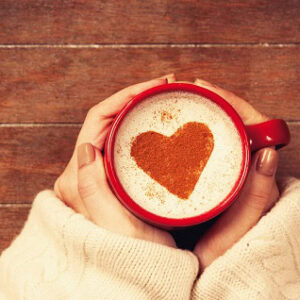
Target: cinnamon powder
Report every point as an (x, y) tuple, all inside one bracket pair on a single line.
[(175, 162), (165, 115)]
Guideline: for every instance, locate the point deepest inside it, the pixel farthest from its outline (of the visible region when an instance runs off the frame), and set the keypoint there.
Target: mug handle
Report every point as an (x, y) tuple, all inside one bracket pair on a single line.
[(267, 134)]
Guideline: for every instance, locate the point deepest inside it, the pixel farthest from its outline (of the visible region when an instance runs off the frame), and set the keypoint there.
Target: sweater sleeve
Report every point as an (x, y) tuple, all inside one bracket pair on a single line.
[(265, 263), (61, 255)]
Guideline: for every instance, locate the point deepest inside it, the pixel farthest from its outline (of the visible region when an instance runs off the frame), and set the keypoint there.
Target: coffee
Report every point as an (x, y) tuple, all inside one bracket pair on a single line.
[(177, 154)]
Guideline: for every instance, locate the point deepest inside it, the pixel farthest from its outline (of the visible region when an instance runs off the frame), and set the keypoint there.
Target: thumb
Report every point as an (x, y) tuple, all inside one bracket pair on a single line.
[(255, 199), (92, 185), (90, 171), (257, 193)]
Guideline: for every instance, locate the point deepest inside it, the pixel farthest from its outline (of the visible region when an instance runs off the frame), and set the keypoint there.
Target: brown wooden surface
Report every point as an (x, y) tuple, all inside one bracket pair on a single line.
[(32, 159), (58, 58), (36, 156), (12, 220), (60, 85), (156, 21)]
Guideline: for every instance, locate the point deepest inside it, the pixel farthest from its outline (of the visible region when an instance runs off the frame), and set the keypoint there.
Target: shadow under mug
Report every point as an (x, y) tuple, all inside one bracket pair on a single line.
[(267, 134)]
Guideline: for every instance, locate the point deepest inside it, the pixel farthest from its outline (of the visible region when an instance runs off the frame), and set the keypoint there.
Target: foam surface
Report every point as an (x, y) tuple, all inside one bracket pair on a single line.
[(165, 113)]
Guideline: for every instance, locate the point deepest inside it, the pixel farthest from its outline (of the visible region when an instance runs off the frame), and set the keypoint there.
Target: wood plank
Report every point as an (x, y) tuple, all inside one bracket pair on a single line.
[(289, 164), (156, 21), (12, 220), (35, 156), (31, 159), (60, 85)]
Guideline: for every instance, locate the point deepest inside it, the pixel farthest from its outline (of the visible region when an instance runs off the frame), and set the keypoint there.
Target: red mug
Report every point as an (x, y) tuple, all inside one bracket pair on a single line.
[(270, 133)]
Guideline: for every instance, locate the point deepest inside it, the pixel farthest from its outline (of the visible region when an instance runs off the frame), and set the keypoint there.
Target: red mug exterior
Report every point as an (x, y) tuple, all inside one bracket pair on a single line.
[(270, 133)]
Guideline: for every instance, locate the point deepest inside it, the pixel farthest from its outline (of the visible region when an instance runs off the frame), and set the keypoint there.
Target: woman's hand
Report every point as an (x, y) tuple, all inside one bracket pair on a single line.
[(83, 185), (257, 197)]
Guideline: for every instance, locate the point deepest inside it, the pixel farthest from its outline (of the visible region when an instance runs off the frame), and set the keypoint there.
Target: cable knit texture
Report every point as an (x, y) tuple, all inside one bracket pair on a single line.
[(265, 263), (61, 255)]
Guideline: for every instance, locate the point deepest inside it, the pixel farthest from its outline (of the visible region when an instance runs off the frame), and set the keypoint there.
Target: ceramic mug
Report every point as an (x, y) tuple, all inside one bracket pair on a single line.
[(267, 134)]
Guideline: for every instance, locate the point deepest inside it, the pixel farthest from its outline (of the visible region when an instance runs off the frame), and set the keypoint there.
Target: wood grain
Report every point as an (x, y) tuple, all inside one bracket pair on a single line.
[(60, 85), (155, 21), (31, 159), (289, 164), (251, 48), (34, 157), (11, 222)]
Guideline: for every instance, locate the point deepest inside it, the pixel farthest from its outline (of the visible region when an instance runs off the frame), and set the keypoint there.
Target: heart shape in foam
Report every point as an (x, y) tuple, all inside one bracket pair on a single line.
[(175, 162)]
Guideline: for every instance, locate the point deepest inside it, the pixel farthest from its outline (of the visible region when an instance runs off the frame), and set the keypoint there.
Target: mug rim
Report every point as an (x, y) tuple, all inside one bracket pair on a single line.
[(153, 218)]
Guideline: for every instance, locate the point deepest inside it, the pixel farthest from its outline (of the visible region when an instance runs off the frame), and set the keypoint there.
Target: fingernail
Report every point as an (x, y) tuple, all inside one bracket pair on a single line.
[(267, 162), (164, 80), (203, 82), (169, 77), (85, 154), (159, 80)]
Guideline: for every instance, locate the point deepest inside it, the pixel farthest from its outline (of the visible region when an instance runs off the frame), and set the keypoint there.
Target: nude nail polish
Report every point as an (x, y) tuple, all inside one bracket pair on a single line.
[(267, 162), (204, 83), (85, 154)]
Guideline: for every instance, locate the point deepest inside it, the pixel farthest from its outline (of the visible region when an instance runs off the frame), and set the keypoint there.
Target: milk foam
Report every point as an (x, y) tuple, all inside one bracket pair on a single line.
[(165, 113)]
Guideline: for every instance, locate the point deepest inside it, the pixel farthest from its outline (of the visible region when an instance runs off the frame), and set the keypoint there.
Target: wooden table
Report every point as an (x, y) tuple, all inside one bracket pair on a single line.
[(58, 58)]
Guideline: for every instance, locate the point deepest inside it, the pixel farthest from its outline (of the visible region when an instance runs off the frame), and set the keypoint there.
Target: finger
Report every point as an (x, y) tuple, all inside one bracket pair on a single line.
[(100, 117), (274, 196), (112, 105), (170, 77), (68, 196), (94, 130), (253, 202), (246, 111), (183, 81), (103, 208)]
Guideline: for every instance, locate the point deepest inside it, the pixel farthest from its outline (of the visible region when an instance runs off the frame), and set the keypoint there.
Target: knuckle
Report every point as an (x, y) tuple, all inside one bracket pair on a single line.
[(258, 201), (274, 197), (132, 91), (58, 188), (65, 188), (133, 231), (216, 246), (87, 188), (208, 250), (228, 95), (96, 112), (91, 112), (137, 229), (131, 94)]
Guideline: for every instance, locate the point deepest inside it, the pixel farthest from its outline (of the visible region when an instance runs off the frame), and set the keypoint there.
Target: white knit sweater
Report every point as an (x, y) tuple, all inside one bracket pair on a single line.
[(61, 255)]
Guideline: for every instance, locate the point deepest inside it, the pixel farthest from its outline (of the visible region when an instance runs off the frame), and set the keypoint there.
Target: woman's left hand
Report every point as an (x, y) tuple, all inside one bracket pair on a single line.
[(258, 195), (83, 185)]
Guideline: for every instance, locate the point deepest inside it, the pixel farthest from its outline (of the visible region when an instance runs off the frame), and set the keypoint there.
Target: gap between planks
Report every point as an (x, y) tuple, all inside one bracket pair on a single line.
[(76, 125), (14, 205), (155, 45)]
